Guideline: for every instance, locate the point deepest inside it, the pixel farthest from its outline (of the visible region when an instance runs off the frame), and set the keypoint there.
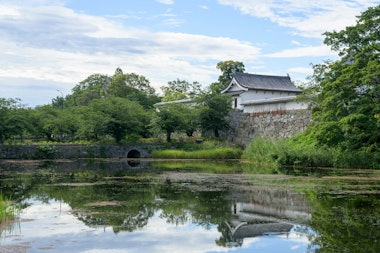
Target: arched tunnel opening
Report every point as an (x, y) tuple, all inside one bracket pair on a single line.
[(134, 154)]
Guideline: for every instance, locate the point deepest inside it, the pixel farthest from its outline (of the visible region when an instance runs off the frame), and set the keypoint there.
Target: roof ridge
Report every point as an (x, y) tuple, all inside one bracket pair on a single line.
[(242, 73)]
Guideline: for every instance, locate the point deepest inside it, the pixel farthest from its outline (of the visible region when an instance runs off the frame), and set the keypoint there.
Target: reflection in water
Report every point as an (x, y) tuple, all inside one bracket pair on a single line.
[(115, 208)]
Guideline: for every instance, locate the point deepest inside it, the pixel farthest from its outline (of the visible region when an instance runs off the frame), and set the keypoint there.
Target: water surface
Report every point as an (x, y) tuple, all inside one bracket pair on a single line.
[(111, 206)]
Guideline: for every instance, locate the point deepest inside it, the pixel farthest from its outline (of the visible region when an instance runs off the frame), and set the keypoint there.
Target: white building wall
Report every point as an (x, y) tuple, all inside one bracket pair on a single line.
[(270, 107), (259, 95)]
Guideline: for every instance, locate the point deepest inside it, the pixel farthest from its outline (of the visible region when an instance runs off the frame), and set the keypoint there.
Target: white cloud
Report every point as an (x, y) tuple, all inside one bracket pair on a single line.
[(306, 18), (67, 46), (168, 2), (301, 70), (309, 51)]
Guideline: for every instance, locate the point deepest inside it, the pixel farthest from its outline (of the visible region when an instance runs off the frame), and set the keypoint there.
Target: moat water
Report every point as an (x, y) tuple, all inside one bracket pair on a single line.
[(113, 206)]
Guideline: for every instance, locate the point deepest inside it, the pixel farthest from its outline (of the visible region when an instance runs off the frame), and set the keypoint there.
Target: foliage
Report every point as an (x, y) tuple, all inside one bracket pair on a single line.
[(213, 109), (119, 117), (180, 89), (176, 117), (217, 153), (13, 119), (228, 69), (261, 153), (56, 124), (133, 87), (93, 87), (101, 108), (346, 114), (7, 210), (296, 153)]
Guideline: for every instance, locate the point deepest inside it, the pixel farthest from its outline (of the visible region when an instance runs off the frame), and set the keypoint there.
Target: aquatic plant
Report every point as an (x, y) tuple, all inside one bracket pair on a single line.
[(7, 210)]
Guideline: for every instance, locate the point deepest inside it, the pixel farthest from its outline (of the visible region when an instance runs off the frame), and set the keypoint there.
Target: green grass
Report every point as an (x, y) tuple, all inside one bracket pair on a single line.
[(277, 153), (262, 153), (215, 153), (7, 211)]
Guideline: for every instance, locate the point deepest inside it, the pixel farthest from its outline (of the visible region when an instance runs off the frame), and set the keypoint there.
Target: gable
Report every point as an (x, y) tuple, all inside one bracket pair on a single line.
[(234, 88)]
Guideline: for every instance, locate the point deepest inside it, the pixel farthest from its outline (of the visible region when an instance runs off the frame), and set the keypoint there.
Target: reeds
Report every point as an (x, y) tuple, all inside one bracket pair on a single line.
[(7, 210)]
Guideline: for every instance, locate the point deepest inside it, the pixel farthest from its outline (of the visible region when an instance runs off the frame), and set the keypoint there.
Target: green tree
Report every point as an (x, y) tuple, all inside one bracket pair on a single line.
[(56, 124), (93, 125), (228, 69), (347, 114), (93, 87), (121, 118), (180, 89), (14, 119), (213, 109), (133, 87), (170, 118)]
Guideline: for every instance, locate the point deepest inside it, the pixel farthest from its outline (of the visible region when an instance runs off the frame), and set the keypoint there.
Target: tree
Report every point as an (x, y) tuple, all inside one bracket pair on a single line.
[(228, 68), (133, 87), (170, 118), (56, 124), (213, 109), (93, 87), (13, 119), (348, 98), (120, 117), (180, 89)]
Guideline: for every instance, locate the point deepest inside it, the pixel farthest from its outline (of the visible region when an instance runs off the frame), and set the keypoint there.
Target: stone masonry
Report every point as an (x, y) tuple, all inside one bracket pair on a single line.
[(279, 124)]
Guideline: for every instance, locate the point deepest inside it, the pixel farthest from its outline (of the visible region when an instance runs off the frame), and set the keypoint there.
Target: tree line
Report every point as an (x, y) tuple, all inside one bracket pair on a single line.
[(119, 108)]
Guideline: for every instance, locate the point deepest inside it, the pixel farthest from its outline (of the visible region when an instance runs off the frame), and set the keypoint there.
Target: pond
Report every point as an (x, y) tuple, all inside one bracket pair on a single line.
[(113, 206)]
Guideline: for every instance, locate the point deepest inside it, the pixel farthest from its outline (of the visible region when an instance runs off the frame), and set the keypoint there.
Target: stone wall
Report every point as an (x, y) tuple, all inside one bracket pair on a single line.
[(278, 124), (69, 151)]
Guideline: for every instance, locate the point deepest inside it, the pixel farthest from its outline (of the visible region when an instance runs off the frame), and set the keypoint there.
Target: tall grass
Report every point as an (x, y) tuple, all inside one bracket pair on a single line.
[(7, 210), (267, 153), (262, 153), (215, 153)]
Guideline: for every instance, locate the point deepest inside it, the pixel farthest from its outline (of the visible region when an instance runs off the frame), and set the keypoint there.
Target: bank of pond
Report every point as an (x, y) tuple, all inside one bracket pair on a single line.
[(261, 152)]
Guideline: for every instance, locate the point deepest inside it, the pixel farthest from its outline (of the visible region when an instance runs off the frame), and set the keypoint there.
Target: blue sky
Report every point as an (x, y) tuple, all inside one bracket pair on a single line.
[(48, 46)]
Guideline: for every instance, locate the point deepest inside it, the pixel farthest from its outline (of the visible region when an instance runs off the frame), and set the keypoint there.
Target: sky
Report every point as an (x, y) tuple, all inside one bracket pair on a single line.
[(49, 46)]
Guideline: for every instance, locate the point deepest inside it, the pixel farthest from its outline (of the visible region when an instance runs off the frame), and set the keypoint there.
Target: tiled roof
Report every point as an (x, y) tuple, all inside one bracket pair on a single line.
[(264, 82)]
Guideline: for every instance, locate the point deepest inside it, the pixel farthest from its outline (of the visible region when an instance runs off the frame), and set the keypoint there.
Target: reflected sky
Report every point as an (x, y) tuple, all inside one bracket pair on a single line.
[(52, 227)]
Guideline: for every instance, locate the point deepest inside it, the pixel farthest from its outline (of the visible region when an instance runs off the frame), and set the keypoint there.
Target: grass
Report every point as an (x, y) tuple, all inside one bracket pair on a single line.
[(7, 211), (215, 153), (277, 153), (261, 153)]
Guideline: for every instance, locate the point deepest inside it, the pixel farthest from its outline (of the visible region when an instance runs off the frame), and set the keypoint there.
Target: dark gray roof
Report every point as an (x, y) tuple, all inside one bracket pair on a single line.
[(264, 82)]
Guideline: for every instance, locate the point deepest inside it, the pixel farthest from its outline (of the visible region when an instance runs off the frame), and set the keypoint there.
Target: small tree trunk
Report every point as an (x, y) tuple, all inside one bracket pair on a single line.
[(216, 133), (168, 136)]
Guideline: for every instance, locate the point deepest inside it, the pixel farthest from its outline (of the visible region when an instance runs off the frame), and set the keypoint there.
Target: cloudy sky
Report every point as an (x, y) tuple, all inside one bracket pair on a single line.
[(48, 46)]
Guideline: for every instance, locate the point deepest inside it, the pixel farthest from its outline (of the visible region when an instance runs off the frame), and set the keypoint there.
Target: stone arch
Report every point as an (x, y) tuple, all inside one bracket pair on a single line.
[(134, 153)]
